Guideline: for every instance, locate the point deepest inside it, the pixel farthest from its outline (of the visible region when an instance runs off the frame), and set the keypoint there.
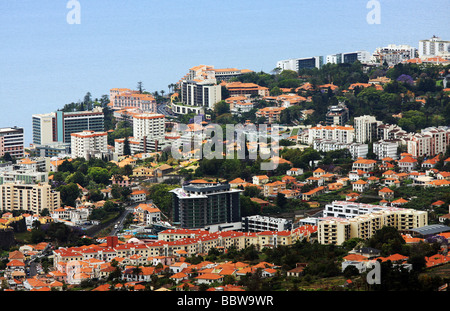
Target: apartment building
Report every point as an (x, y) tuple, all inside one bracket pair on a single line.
[(148, 134), (393, 54), (258, 223), (273, 188), (58, 126), (366, 129), (386, 149), (340, 134), (434, 46), (89, 143), (12, 141), (363, 221), (201, 203), (270, 114), (337, 115), (429, 142), (33, 198), (150, 125)]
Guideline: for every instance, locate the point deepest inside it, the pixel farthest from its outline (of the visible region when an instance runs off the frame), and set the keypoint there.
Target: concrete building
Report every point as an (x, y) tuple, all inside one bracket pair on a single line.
[(337, 115), (340, 134), (58, 126), (258, 223), (201, 203), (12, 141), (366, 129), (434, 46), (429, 142), (386, 149), (125, 98), (363, 220), (33, 198), (393, 54), (89, 143), (197, 96)]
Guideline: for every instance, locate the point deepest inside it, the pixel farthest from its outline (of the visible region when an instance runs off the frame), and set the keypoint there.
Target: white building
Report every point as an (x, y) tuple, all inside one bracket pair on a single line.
[(341, 134), (258, 223), (366, 128), (394, 54), (150, 125), (197, 96), (430, 142), (434, 47), (385, 149), (87, 143)]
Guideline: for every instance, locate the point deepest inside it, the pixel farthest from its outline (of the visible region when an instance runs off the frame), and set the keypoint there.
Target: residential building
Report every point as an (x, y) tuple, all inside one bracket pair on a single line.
[(363, 220), (258, 223), (393, 54), (366, 165), (429, 142), (201, 203), (12, 141), (340, 134), (150, 125), (273, 188), (366, 129), (337, 115), (270, 114), (385, 149), (88, 144), (434, 46), (33, 198)]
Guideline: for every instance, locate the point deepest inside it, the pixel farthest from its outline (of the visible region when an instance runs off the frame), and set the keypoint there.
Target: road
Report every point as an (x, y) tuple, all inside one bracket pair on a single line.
[(162, 109), (123, 217)]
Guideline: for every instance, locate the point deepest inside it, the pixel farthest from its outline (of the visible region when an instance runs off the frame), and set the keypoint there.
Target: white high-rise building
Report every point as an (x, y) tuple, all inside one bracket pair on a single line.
[(366, 128), (88, 143), (434, 47), (150, 125)]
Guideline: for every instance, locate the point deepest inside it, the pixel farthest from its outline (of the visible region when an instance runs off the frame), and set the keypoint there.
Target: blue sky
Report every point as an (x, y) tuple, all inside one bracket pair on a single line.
[(46, 63)]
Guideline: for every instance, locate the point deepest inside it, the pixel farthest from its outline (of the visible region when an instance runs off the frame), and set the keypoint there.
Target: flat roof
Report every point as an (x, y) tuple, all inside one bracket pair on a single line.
[(431, 229)]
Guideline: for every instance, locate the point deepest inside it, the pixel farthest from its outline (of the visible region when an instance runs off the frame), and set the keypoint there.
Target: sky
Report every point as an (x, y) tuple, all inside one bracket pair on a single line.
[(46, 62)]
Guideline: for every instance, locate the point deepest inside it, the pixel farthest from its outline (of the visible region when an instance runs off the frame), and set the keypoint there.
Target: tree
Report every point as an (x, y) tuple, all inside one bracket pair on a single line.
[(140, 87), (69, 193), (126, 147)]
